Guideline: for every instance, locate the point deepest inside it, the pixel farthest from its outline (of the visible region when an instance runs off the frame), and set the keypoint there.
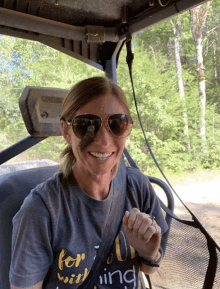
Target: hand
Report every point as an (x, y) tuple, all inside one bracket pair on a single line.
[(143, 233)]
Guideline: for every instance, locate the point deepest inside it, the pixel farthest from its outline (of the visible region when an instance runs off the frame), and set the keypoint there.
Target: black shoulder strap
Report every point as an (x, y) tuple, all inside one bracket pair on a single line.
[(163, 206), (111, 228), (212, 245)]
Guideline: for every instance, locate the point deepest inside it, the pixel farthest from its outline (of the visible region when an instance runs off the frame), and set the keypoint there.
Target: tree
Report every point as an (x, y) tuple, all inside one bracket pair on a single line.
[(160, 109), (176, 24), (211, 44), (199, 18), (27, 63), (155, 70)]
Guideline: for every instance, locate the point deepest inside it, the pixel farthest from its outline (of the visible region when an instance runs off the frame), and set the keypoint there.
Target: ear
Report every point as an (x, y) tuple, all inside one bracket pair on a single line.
[(65, 131)]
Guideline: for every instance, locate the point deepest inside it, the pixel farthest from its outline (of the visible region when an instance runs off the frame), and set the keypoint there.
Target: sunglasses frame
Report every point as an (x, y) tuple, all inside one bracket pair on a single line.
[(102, 121)]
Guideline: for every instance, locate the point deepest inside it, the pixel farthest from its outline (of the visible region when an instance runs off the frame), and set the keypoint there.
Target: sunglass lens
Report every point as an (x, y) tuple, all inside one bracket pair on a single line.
[(120, 124), (82, 122)]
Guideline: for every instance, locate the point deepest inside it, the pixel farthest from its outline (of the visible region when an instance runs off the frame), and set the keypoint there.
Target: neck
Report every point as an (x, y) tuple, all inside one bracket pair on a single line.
[(95, 186)]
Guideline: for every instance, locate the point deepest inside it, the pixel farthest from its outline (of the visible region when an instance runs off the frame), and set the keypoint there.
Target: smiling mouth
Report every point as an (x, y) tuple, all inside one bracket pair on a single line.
[(100, 156)]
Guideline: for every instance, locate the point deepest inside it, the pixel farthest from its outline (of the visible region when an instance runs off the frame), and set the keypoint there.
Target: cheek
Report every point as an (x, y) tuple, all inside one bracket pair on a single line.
[(121, 144), (74, 143), (69, 140)]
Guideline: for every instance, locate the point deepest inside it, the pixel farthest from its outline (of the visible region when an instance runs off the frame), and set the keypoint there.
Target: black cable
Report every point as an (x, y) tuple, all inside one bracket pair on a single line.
[(212, 245), (129, 60)]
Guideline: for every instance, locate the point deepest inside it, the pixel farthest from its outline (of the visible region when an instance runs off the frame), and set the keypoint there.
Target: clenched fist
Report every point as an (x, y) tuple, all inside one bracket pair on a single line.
[(143, 233)]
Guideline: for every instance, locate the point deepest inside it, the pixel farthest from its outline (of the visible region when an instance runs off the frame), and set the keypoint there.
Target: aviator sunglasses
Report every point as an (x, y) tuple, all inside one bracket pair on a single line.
[(118, 124)]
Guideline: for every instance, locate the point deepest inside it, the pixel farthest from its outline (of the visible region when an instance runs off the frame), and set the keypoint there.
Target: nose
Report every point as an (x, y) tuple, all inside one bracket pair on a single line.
[(104, 136)]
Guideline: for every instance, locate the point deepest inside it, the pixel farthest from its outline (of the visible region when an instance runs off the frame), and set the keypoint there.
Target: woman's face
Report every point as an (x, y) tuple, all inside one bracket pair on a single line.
[(108, 147)]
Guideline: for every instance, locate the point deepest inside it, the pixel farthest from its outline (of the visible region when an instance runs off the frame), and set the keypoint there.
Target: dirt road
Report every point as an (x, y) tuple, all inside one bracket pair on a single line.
[(203, 199), (186, 260)]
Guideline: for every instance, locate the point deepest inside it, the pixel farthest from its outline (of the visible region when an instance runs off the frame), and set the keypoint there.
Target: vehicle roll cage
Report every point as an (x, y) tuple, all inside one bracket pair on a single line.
[(92, 32), (90, 37)]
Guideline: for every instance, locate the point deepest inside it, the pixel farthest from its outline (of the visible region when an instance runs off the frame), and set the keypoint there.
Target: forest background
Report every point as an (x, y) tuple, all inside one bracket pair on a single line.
[(176, 73)]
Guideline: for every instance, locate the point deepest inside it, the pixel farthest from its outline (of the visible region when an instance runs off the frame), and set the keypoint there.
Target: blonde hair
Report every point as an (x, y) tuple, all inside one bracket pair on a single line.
[(79, 95)]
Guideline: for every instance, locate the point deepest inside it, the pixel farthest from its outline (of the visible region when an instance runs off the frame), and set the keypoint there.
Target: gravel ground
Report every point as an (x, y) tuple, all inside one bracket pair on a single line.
[(203, 199)]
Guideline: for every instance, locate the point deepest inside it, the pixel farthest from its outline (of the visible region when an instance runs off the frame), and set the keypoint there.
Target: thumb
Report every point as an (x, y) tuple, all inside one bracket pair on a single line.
[(125, 218)]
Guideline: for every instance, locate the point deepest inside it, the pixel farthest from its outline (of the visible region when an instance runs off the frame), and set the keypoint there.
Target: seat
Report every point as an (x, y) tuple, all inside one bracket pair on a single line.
[(14, 188), (170, 205)]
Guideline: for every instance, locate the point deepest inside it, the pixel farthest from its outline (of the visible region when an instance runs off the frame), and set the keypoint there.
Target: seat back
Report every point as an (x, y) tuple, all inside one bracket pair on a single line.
[(14, 188), (170, 204)]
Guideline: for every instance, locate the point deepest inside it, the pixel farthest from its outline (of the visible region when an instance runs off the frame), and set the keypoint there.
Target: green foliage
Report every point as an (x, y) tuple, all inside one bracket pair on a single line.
[(25, 63), (50, 149), (161, 113), (159, 103)]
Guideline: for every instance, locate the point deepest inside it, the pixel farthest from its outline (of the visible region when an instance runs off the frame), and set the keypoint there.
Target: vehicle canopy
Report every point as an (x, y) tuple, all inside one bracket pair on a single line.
[(94, 32), (91, 31)]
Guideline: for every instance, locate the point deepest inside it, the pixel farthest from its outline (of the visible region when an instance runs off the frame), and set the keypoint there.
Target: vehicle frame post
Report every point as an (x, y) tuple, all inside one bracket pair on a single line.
[(19, 147), (109, 57)]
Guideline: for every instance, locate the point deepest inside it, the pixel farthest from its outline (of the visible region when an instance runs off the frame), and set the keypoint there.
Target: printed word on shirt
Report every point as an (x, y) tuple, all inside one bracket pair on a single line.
[(118, 255)]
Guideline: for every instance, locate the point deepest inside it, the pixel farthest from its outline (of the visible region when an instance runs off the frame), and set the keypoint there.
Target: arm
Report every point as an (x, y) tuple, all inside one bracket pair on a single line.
[(144, 235), (37, 286), (32, 253), (148, 269), (142, 231)]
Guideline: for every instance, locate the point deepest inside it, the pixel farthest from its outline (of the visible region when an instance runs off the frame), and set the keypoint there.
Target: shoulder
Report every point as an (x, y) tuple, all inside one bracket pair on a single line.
[(137, 179), (139, 187), (44, 197)]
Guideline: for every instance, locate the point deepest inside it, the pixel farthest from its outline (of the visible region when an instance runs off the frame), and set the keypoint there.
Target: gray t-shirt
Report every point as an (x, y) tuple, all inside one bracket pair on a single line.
[(58, 230)]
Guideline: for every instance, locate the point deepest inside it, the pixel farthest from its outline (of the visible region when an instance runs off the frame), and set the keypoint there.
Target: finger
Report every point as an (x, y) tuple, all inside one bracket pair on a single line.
[(146, 223), (125, 218), (149, 233), (152, 230), (132, 217), (137, 223)]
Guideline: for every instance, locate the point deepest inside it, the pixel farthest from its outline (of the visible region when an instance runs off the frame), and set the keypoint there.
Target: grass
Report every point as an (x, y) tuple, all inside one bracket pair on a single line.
[(187, 178)]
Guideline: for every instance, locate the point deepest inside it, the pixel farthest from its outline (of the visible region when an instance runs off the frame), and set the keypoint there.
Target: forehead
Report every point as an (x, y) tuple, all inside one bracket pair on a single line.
[(105, 104)]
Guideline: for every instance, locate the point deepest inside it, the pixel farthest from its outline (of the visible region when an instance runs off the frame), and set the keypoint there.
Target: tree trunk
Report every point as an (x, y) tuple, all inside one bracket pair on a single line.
[(177, 33), (216, 63), (199, 17)]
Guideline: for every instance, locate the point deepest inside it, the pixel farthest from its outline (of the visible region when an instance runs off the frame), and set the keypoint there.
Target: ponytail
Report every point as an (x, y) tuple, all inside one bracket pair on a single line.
[(69, 160)]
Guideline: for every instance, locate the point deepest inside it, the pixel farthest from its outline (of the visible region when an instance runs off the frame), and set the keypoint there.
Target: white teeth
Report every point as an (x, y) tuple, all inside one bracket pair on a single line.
[(98, 155)]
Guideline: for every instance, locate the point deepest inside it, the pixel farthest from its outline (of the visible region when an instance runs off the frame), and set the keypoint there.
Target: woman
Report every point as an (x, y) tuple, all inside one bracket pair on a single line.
[(58, 231)]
